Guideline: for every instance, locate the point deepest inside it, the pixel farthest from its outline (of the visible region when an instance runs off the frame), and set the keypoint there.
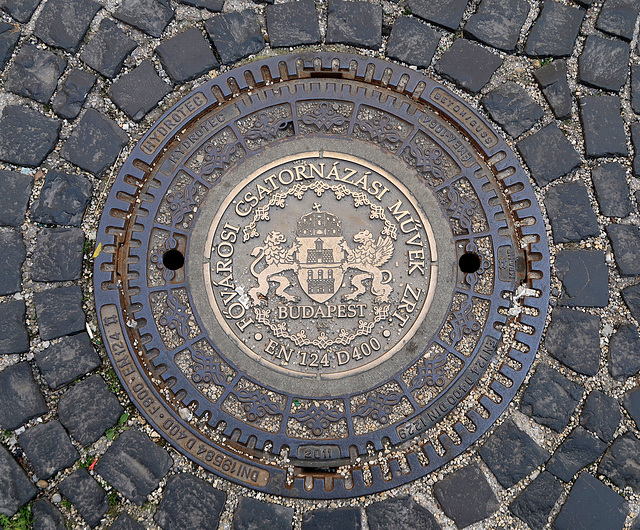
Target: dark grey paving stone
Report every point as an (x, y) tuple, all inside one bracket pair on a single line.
[(188, 502), (467, 64), (604, 63), (445, 13), (211, 5), (548, 154), (20, 397), (555, 31), (139, 91), (62, 200), (513, 108), (150, 16), (498, 23), (293, 24), (635, 87), (535, 503), (35, 73), (64, 23), (107, 49), (14, 199), (86, 495), (354, 24), (235, 35), (88, 409), (624, 353), (578, 450), (622, 461), (401, 512), (550, 398), (570, 212), (412, 42), (618, 18), (612, 190), (601, 415), (631, 296), (524, 454), (635, 140), (465, 496), (46, 516), (95, 143), (603, 126), (57, 256), (552, 79), (573, 337), (332, 519), (21, 10), (631, 402), (126, 522), (252, 514), (59, 312), (68, 359), (16, 489), (49, 448), (186, 56), (26, 136), (625, 240), (70, 97), (591, 504), (9, 35), (585, 278), (11, 260), (134, 465), (13, 329)]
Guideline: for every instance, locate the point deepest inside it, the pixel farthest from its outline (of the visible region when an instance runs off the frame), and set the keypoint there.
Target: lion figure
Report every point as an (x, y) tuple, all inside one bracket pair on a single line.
[(278, 259), (368, 257)]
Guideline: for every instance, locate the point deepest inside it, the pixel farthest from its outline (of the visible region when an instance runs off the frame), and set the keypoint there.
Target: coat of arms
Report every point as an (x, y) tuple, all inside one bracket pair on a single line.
[(320, 257)]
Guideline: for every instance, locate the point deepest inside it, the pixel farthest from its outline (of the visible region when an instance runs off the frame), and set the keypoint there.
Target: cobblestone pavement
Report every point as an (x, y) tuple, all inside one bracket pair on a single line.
[(82, 80)]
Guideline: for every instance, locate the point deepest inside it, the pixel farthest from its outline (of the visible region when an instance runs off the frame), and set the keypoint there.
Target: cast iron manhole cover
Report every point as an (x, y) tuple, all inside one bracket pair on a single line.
[(322, 275)]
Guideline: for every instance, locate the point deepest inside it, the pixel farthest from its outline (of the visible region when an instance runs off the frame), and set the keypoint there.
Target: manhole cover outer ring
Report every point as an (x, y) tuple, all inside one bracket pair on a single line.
[(116, 315)]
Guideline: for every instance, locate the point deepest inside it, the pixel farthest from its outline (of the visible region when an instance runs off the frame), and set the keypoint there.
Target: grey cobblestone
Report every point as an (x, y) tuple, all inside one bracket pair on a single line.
[(604, 63), (591, 504), (11, 260), (14, 198), (87, 409), (20, 397), (48, 447), (150, 16), (293, 24), (466, 496), (26, 136), (87, 496), (412, 41), (63, 23), (235, 35), (191, 502)]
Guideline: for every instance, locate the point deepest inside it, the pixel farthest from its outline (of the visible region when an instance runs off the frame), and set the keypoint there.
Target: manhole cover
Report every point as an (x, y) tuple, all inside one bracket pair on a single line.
[(322, 275)]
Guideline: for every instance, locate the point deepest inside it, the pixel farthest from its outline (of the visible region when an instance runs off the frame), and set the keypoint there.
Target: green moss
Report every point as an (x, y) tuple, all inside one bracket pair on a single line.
[(20, 521)]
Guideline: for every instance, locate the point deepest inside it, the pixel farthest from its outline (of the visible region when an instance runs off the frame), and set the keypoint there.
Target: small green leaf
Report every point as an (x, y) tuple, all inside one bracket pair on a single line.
[(123, 419)]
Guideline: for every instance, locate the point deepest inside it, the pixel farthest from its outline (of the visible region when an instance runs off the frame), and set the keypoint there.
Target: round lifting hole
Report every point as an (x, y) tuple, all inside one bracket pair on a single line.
[(173, 259), (469, 262)]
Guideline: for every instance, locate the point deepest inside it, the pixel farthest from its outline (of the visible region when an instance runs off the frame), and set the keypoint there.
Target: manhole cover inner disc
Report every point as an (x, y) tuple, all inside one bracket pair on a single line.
[(322, 276)]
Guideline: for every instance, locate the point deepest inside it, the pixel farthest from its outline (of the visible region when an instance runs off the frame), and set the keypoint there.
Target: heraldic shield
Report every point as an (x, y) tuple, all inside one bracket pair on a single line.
[(320, 255)]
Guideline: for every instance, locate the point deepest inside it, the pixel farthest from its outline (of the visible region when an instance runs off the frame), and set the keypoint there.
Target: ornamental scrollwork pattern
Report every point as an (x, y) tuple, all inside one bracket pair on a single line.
[(257, 404), (317, 418), (378, 406)]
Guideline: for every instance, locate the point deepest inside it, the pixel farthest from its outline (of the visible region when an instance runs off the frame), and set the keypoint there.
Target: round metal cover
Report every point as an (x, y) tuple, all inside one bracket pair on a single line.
[(322, 275)]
